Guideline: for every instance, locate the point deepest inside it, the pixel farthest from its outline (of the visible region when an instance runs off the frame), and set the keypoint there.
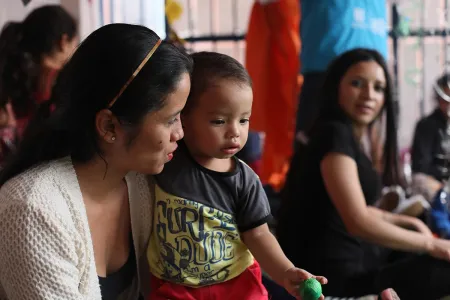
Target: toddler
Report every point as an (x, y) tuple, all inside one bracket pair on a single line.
[(210, 233)]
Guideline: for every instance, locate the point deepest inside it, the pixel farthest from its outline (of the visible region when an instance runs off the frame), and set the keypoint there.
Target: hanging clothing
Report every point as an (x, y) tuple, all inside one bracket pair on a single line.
[(272, 60), (332, 27)]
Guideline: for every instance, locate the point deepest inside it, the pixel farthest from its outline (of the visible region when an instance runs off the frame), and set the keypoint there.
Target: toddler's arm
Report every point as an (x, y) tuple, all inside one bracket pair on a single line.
[(265, 248)]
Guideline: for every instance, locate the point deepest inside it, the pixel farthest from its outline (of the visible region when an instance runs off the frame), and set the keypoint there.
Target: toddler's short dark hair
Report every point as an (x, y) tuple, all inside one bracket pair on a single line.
[(212, 67)]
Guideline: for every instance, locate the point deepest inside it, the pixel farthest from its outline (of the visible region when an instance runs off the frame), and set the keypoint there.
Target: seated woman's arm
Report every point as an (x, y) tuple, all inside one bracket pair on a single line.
[(38, 258), (401, 220), (341, 179)]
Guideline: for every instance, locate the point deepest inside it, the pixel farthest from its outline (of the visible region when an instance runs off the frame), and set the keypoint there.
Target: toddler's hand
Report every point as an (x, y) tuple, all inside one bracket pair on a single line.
[(293, 277)]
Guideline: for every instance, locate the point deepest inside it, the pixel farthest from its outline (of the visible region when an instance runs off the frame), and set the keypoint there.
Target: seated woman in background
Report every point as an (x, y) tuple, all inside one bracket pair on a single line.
[(326, 223), (31, 53)]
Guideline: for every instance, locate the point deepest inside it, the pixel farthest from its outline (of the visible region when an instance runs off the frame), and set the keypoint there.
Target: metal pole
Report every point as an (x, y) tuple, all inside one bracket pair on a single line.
[(422, 58), (212, 10), (190, 21), (100, 6), (235, 18), (142, 12), (111, 11), (446, 31), (395, 24)]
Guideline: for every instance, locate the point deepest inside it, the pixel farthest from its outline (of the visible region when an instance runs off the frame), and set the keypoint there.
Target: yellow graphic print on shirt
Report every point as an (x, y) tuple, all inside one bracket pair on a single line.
[(193, 244)]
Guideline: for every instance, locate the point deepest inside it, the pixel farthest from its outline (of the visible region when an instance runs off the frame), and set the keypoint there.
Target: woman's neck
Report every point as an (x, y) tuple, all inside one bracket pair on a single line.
[(97, 179), (358, 132), (51, 62)]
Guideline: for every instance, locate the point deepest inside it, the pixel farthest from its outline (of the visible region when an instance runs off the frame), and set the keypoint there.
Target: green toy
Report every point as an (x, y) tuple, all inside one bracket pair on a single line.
[(310, 289)]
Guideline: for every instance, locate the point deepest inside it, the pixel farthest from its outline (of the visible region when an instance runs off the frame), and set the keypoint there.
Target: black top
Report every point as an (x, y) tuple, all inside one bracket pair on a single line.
[(238, 193), (310, 230), (115, 284), (427, 151), (199, 216)]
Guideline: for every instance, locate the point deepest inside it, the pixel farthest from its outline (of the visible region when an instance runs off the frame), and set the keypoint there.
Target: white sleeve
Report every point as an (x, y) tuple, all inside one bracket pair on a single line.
[(38, 258)]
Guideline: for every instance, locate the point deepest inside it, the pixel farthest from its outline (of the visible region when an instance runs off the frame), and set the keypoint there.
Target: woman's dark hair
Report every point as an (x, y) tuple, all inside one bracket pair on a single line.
[(331, 110), (90, 80), (22, 46)]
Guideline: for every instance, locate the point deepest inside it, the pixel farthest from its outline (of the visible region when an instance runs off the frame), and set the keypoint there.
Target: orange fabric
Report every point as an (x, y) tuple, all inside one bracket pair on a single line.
[(272, 60)]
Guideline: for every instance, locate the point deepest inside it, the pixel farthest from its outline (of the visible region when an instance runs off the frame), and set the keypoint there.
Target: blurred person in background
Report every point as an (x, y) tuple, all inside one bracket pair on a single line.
[(31, 54), (429, 152), (328, 29), (333, 184)]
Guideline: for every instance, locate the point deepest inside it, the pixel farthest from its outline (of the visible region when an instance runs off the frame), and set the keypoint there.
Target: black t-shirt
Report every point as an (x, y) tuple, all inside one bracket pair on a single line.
[(310, 230), (199, 215), (427, 152)]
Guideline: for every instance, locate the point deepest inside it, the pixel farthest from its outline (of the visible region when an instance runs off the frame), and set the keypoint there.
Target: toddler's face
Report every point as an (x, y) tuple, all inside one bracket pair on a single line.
[(217, 125)]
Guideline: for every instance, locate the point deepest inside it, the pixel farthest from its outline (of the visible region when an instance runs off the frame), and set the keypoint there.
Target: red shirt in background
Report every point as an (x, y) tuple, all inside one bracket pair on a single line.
[(42, 95)]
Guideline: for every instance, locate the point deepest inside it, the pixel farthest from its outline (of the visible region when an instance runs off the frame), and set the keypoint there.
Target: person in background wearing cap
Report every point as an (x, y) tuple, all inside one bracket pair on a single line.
[(428, 154)]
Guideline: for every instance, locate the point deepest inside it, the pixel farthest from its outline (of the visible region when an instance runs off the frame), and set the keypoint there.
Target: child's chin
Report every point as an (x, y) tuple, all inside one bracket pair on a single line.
[(155, 170), (224, 156)]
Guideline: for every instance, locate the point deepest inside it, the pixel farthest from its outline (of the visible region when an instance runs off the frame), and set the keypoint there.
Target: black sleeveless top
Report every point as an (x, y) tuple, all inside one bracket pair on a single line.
[(116, 283)]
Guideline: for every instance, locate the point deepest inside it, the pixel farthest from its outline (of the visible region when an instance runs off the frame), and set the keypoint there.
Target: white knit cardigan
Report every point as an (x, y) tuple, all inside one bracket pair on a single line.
[(46, 250)]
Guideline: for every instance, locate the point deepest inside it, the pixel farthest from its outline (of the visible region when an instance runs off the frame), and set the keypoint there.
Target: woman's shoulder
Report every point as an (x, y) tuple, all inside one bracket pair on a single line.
[(333, 136), (141, 191), (334, 127), (331, 130), (43, 227), (45, 186), (141, 185)]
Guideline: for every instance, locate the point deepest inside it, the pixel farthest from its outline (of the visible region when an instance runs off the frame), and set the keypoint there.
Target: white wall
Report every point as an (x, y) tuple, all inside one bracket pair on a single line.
[(15, 10), (207, 17), (420, 64), (95, 13), (91, 14)]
